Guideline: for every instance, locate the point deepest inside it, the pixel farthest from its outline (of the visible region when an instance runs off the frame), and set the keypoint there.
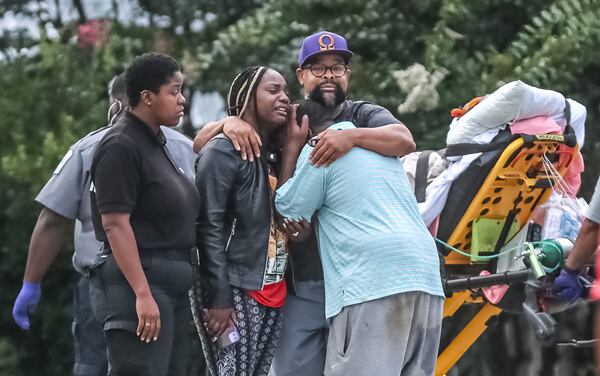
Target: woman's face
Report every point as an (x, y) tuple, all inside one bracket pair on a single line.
[(272, 101), (168, 103)]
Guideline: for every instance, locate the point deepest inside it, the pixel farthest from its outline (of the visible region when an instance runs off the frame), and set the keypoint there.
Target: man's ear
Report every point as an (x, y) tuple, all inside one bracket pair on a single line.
[(300, 75)]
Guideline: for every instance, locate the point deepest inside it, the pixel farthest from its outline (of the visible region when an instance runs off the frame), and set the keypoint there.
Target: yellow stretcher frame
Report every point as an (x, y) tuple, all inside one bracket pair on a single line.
[(517, 173)]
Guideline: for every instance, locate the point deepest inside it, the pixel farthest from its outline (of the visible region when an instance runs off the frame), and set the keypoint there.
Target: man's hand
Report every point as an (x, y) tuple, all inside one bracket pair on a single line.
[(244, 137), (331, 145), (297, 231), (567, 286), (216, 320), (26, 303)]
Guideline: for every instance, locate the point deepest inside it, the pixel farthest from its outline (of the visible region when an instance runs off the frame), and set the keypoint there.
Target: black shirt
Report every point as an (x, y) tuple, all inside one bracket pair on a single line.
[(305, 261), (132, 172)]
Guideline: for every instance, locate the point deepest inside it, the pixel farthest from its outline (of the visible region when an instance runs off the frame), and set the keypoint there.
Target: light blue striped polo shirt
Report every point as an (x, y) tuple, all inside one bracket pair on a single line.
[(372, 240)]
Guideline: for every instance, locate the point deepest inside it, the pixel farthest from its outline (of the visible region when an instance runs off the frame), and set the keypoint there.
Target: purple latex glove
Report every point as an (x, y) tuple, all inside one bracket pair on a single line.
[(26, 303), (567, 286)]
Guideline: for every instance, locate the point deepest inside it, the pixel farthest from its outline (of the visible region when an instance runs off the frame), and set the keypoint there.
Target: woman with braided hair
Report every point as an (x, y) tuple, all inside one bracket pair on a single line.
[(243, 251)]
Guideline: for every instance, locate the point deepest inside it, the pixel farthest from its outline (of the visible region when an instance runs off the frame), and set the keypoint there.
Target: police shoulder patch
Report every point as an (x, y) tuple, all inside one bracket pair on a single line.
[(63, 162)]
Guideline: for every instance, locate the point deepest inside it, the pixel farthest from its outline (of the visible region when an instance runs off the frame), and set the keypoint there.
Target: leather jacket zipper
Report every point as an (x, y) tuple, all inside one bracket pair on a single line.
[(231, 234)]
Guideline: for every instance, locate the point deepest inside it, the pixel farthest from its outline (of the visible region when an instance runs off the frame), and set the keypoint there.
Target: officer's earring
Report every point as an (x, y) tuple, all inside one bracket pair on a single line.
[(146, 100)]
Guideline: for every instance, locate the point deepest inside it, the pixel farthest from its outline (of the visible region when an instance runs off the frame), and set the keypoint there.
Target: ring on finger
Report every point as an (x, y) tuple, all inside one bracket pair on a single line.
[(147, 324), (295, 233)]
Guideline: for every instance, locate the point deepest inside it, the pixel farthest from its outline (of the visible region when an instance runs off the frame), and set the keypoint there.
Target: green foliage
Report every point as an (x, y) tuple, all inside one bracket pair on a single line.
[(385, 36), (8, 355)]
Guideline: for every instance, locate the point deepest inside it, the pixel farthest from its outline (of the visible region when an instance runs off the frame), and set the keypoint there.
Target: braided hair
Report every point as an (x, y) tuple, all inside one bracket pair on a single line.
[(243, 89), (241, 92)]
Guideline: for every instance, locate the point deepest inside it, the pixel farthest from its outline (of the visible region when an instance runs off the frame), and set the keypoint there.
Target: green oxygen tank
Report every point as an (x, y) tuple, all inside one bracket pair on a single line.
[(547, 256), (553, 253)]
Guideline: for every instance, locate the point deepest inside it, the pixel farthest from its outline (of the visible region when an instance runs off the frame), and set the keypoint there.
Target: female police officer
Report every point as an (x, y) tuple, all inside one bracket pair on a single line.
[(144, 211)]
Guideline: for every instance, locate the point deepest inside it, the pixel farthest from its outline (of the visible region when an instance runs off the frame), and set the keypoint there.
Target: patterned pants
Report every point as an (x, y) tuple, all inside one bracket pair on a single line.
[(259, 332)]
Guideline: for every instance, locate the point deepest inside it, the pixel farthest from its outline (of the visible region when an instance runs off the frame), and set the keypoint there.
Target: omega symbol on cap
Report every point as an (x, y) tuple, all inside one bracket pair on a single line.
[(330, 42)]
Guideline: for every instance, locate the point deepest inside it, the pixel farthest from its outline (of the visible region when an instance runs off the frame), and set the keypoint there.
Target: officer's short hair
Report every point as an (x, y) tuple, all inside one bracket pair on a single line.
[(117, 88), (148, 72)]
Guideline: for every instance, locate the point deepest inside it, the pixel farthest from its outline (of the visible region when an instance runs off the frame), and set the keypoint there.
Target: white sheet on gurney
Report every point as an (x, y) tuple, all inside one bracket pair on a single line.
[(510, 103), (437, 192)]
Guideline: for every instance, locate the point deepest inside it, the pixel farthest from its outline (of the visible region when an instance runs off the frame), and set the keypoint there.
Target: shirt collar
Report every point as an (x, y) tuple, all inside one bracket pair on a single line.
[(342, 125), (139, 124), (341, 108)]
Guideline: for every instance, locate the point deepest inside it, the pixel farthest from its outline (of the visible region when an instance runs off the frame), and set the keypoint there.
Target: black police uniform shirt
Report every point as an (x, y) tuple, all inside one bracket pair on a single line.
[(304, 256), (132, 172)]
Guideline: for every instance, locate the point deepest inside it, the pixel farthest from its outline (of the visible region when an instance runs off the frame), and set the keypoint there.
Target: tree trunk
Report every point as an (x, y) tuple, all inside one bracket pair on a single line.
[(80, 11)]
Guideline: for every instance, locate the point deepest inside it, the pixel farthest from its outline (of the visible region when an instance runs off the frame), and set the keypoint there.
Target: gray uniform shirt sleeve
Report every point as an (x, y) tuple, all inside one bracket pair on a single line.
[(62, 193), (180, 147), (593, 211), (67, 193)]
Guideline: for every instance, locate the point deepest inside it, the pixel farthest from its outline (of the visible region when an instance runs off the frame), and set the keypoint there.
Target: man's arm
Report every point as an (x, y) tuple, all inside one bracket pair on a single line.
[(208, 131), (567, 285), (390, 140), (304, 193), (244, 137), (585, 245), (49, 235)]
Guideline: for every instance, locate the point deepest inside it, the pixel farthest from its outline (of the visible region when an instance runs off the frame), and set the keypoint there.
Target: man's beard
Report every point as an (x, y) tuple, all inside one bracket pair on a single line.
[(328, 101)]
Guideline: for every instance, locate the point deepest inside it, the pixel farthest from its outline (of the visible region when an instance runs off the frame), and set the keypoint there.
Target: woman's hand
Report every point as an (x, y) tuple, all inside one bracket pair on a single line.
[(294, 135), (298, 231), (117, 227), (216, 320), (148, 318)]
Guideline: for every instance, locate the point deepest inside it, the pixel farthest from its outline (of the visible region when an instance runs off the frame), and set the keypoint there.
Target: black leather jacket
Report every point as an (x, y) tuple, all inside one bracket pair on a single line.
[(233, 222)]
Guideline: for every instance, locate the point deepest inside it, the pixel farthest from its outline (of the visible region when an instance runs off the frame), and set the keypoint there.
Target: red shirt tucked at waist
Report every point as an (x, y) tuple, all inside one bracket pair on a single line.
[(272, 295)]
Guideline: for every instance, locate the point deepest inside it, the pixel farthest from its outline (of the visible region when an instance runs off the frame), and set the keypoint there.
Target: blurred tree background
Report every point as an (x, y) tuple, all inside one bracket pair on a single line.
[(418, 58)]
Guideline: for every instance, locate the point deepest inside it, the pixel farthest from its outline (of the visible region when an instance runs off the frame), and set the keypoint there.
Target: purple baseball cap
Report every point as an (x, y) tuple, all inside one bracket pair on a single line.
[(323, 42)]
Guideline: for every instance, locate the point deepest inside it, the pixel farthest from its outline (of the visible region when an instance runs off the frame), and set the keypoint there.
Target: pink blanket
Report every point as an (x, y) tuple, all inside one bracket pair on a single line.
[(543, 125)]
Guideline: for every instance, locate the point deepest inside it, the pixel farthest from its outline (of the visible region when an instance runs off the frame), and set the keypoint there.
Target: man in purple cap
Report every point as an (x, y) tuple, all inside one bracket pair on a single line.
[(324, 72)]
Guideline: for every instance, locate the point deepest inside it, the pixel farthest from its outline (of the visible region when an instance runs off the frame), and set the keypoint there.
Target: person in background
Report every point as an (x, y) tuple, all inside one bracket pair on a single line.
[(66, 203)]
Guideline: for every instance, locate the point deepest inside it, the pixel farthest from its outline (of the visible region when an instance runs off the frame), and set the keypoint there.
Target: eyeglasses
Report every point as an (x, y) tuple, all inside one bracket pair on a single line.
[(319, 70)]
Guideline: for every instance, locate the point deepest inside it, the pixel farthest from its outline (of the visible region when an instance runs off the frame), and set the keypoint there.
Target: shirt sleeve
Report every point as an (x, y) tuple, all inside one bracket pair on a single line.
[(370, 115), (180, 147), (63, 192), (593, 210), (302, 195), (116, 178)]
